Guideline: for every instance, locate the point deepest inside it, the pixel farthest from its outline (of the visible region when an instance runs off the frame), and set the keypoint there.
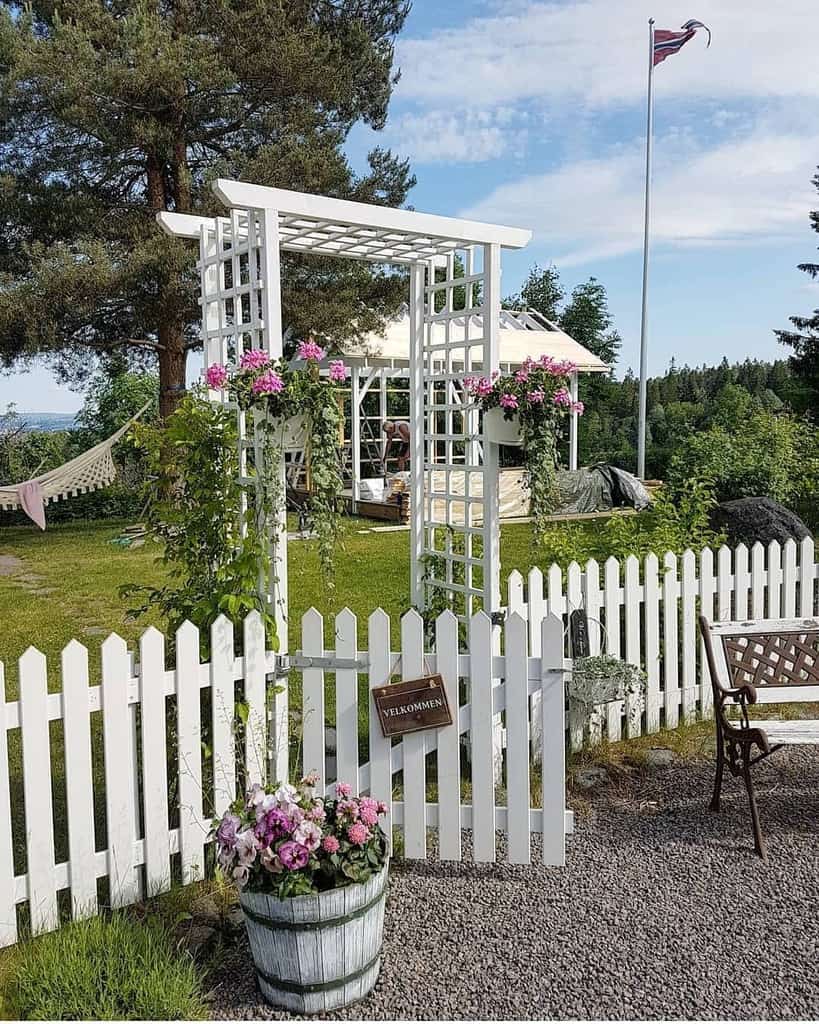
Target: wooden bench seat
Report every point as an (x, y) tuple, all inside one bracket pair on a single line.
[(764, 661)]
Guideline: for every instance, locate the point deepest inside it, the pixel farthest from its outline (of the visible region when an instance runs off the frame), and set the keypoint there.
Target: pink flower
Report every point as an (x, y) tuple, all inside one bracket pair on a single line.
[(348, 807), (562, 397), (310, 350), (508, 401), (369, 815), (535, 397), (578, 407), (293, 855), (483, 387), (254, 359), (338, 371), (316, 813), (522, 376), (358, 834), (216, 376), (330, 844), (382, 807), (269, 383), (343, 789), (271, 861)]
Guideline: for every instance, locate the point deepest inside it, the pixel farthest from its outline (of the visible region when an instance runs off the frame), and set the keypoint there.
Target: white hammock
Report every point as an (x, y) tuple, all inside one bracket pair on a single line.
[(87, 472)]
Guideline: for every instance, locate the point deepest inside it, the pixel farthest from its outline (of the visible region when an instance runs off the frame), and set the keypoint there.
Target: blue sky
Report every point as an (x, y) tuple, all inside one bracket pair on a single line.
[(533, 114)]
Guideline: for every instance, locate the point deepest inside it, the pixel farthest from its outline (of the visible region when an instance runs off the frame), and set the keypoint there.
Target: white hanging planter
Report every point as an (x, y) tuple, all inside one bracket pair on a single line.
[(499, 430)]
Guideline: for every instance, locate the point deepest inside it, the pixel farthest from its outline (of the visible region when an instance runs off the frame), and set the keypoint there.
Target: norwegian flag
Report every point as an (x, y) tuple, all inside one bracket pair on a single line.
[(667, 42)]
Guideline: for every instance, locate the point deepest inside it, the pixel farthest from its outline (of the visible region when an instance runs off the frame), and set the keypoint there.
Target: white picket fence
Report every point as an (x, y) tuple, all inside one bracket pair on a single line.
[(170, 759), (646, 613)]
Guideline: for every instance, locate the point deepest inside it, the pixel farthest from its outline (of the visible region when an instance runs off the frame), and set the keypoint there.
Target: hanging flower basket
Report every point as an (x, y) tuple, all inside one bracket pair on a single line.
[(312, 875), (525, 409), (601, 679), (295, 402), (501, 430)]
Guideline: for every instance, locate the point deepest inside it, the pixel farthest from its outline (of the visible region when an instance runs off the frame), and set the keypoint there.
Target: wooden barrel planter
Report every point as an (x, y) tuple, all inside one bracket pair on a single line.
[(317, 953)]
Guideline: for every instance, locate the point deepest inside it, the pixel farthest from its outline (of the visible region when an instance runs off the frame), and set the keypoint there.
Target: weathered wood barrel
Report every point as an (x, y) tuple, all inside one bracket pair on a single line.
[(317, 953)]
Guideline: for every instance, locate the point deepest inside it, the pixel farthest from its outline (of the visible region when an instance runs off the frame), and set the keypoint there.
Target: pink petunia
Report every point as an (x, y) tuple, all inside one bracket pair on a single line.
[(310, 350), (522, 376), (254, 359), (216, 376), (535, 397), (338, 371), (270, 383), (358, 834), (508, 401), (562, 397)]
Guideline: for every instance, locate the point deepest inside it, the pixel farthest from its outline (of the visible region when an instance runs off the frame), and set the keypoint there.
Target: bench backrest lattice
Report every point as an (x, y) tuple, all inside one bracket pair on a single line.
[(772, 655)]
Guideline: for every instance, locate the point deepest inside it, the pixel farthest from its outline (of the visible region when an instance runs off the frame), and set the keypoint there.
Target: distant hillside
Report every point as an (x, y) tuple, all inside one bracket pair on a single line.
[(48, 421)]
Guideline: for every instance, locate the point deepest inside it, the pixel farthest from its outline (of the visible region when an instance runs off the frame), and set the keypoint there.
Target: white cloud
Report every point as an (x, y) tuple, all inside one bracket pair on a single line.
[(753, 187), (469, 136), (594, 52)]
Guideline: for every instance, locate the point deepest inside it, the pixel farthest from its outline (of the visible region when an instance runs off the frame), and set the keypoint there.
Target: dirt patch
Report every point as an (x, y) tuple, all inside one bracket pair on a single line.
[(10, 565)]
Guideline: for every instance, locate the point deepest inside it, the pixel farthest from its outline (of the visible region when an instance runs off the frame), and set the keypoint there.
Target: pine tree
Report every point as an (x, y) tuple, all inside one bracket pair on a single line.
[(116, 109), (541, 291), (805, 339)]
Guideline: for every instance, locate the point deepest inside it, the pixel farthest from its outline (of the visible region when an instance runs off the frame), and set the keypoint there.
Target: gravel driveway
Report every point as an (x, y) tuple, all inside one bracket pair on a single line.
[(662, 911)]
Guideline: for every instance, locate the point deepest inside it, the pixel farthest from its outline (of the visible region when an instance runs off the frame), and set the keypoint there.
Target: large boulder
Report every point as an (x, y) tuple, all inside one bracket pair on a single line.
[(748, 520)]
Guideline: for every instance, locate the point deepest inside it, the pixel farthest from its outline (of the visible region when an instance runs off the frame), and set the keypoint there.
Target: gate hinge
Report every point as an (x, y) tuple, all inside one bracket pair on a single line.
[(288, 662)]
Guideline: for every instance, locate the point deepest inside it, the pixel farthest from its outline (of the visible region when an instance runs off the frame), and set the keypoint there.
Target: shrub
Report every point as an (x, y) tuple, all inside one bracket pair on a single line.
[(106, 968)]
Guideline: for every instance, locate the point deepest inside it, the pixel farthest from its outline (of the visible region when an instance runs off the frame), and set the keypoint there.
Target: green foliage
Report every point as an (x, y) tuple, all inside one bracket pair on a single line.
[(674, 524), (114, 112), (541, 291), (774, 456), (804, 340), (212, 567), (111, 400), (106, 968)]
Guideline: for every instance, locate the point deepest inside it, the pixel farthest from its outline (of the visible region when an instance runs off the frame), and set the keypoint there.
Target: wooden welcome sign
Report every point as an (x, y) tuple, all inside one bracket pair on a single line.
[(412, 705)]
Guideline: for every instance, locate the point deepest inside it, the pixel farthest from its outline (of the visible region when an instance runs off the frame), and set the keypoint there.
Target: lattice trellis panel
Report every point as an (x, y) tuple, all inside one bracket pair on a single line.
[(240, 289), (455, 322)]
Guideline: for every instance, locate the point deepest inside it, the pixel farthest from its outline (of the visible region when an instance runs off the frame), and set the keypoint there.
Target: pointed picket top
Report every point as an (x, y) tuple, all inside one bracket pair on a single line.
[(757, 551), (632, 564), (611, 568), (378, 621), (447, 619), (31, 661), (573, 567), (346, 624), (652, 564), (411, 620), (535, 579), (774, 550), (221, 624), (555, 575), (516, 625), (313, 619), (789, 545), (741, 550), (806, 550), (593, 569), (149, 637), (689, 560), (515, 578), (707, 558), (670, 560), (253, 620), (724, 559), (74, 649), (187, 633)]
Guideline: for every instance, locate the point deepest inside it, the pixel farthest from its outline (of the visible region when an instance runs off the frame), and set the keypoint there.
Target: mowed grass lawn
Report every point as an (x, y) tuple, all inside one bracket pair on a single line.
[(63, 584)]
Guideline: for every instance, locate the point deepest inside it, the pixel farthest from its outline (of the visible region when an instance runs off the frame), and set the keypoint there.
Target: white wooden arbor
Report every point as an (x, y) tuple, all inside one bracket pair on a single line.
[(239, 264)]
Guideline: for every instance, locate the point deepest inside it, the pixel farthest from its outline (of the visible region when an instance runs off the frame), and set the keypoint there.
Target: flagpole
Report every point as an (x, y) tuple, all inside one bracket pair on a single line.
[(641, 429)]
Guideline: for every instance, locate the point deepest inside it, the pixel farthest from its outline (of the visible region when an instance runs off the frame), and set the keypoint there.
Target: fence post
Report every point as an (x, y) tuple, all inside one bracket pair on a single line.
[(8, 903), (554, 741)]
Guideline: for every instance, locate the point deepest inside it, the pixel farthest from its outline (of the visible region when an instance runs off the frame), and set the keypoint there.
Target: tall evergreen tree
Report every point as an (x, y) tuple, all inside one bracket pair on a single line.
[(586, 318), (541, 291), (113, 110), (805, 339)]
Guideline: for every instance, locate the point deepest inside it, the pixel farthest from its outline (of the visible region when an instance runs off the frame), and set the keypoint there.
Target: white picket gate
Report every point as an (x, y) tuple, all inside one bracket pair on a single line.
[(169, 758), (646, 614)]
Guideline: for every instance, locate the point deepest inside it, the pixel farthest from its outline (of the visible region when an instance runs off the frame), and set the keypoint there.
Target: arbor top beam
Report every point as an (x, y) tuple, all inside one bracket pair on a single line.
[(350, 230)]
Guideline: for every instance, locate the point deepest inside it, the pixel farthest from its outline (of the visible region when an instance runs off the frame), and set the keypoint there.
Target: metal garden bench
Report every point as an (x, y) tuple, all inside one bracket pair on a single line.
[(771, 661)]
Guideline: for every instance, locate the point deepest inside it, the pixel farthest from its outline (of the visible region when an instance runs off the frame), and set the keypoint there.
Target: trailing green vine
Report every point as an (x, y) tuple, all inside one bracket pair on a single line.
[(281, 393)]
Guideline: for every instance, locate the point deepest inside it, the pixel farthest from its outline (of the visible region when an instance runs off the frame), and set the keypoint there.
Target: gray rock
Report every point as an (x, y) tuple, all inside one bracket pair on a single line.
[(659, 757), (206, 912), (591, 777), (198, 938)]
